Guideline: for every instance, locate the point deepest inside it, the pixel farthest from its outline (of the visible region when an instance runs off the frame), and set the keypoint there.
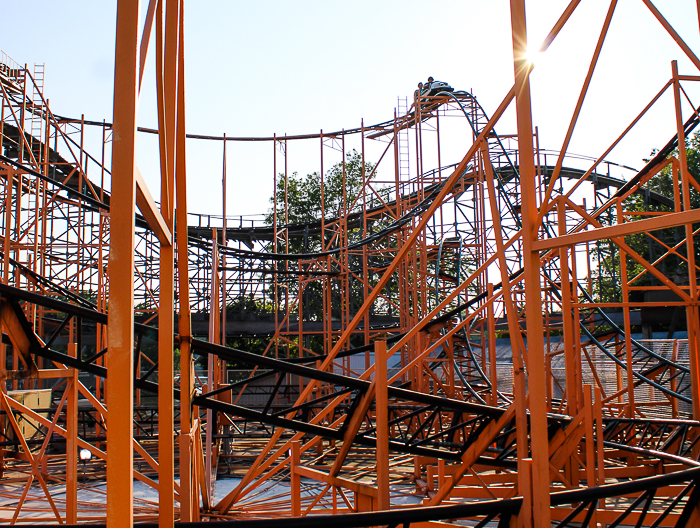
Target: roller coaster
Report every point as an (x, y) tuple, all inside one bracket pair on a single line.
[(450, 341)]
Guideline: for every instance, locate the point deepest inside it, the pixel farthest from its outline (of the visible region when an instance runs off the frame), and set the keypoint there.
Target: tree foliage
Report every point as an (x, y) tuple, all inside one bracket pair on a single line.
[(309, 198), (304, 201), (652, 248)]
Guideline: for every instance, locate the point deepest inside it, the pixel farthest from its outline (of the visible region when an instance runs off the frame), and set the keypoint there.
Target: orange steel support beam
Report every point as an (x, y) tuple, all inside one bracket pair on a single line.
[(579, 103), (515, 333), (408, 276), (674, 35), (692, 313), (471, 455), (187, 500), (166, 81), (620, 230), (72, 443), (149, 210), (491, 328), (295, 479), (382, 424), (214, 335), (120, 331), (610, 148), (619, 241), (145, 38), (531, 260), (626, 317), (567, 320)]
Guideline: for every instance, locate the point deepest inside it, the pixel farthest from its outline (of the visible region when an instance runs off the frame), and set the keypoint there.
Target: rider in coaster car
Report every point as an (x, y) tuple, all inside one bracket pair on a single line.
[(433, 87), (419, 91)]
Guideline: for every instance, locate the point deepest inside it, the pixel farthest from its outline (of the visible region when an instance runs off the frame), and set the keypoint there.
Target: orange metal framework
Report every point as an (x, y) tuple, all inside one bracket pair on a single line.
[(439, 339)]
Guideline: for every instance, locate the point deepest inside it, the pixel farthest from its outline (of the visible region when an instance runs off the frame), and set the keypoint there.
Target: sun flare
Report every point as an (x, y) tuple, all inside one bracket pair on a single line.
[(533, 54)]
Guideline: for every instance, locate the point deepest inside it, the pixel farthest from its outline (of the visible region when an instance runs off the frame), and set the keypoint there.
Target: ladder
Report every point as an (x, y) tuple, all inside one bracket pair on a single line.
[(37, 107), (404, 154)]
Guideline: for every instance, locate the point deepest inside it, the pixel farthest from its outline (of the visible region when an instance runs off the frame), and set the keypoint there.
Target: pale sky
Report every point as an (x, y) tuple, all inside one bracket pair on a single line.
[(258, 68)]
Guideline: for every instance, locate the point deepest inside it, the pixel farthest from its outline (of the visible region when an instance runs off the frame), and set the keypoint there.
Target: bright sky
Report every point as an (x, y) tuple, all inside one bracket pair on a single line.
[(258, 68)]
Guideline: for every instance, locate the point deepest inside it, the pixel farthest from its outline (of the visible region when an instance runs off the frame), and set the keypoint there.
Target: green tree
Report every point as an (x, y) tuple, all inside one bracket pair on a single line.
[(302, 201), (308, 198), (653, 247)]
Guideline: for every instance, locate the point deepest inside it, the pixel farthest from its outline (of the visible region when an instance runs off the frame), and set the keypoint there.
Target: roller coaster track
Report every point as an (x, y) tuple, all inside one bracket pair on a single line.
[(662, 373), (414, 415), (421, 425)]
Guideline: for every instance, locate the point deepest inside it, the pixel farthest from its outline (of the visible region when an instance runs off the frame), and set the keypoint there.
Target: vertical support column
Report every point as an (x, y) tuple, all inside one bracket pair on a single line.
[(423, 340), (674, 385), (631, 406), (525, 477), (491, 328), (9, 184), (572, 380), (211, 359), (72, 442), (576, 315), (365, 260), (516, 341), (535, 345), (691, 310), (166, 404), (441, 472), (569, 357), (382, 423), (600, 448), (101, 290), (224, 242), (590, 445), (167, 78), (4, 427), (295, 480), (449, 348), (275, 289), (187, 501), (120, 357)]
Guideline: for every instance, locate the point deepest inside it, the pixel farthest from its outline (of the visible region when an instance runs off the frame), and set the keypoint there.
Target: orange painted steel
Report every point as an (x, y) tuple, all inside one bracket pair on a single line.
[(120, 331), (461, 333)]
